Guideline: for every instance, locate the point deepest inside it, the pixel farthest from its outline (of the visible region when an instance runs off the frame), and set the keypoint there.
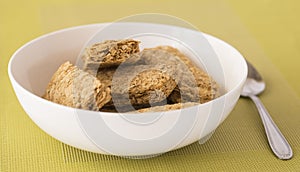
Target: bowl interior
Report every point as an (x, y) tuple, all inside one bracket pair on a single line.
[(33, 64)]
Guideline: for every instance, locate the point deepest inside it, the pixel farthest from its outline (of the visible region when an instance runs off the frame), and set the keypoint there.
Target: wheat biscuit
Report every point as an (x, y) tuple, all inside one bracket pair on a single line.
[(205, 90), (167, 107), (110, 53), (73, 87), (142, 84), (198, 87)]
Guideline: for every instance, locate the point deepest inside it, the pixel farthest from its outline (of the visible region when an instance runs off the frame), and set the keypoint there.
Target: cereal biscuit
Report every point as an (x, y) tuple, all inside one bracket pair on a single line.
[(198, 87), (138, 85), (110, 53), (206, 89), (167, 107), (143, 84), (73, 87)]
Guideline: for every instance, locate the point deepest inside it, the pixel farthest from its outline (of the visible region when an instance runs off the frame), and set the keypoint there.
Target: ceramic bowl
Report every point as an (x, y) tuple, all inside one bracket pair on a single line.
[(125, 134)]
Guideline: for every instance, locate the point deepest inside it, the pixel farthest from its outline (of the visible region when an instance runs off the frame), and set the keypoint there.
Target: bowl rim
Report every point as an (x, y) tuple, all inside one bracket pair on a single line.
[(14, 81)]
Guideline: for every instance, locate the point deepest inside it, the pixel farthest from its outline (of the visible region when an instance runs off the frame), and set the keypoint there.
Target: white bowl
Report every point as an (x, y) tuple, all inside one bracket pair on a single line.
[(32, 66)]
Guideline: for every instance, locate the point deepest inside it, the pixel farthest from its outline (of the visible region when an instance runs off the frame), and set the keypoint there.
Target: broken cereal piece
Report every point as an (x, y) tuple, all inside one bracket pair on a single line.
[(110, 53)]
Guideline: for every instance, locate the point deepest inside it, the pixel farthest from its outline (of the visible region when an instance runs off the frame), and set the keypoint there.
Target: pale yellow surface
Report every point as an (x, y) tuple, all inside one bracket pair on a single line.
[(266, 32)]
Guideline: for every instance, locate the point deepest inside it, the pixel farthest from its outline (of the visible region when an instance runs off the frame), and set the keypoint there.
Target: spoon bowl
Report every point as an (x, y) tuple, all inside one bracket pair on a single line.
[(254, 84)]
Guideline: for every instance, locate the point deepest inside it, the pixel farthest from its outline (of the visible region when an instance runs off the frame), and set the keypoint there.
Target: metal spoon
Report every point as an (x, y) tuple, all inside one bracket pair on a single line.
[(255, 85)]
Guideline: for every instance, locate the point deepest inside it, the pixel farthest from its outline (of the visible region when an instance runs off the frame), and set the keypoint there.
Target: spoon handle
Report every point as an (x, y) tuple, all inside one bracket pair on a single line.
[(277, 142)]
